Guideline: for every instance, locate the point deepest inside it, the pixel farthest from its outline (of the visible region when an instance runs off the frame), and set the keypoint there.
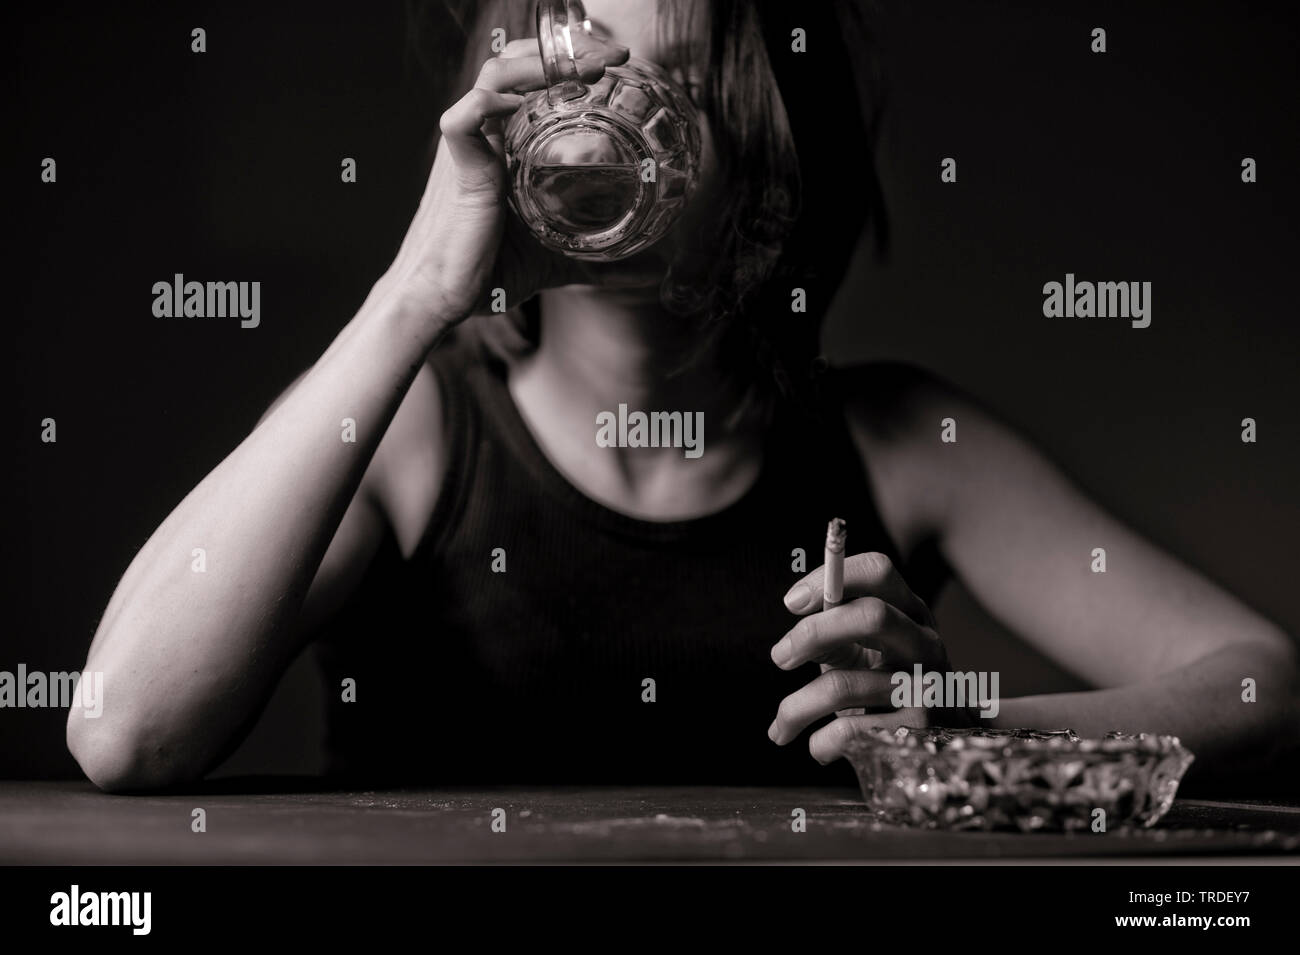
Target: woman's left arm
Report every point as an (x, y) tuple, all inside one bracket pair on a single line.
[(1170, 651)]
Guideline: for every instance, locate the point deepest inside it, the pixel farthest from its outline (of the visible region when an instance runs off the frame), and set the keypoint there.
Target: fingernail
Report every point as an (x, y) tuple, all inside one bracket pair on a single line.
[(797, 598), (782, 652), (606, 51), (772, 733)]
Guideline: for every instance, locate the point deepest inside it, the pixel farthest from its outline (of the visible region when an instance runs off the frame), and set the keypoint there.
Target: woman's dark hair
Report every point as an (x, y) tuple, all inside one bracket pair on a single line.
[(794, 130)]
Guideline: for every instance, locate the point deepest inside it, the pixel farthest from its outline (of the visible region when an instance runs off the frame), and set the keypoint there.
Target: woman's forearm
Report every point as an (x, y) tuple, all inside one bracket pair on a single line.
[(191, 643), (1204, 703)]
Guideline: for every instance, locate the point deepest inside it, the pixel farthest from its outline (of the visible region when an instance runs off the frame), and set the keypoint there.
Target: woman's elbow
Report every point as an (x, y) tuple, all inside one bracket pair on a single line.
[(119, 756)]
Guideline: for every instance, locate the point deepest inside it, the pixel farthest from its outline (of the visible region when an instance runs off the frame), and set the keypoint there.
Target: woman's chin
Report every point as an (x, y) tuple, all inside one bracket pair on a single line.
[(644, 271)]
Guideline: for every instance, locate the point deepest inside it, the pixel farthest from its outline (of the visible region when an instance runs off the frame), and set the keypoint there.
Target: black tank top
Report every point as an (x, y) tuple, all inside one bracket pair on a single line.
[(538, 674)]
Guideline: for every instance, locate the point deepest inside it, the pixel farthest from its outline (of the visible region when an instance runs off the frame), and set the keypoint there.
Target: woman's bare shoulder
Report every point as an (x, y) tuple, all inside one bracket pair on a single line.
[(941, 456), (897, 415), (889, 399)]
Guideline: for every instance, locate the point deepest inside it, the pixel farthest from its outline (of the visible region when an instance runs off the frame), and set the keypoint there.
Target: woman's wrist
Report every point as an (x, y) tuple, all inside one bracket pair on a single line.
[(413, 312)]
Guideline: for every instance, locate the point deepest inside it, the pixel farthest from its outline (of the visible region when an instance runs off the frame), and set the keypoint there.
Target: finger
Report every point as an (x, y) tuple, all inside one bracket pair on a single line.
[(523, 73), (494, 130), (865, 575), (462, 124), (837, 636), (517, 48), (840, 736), (833, 690)]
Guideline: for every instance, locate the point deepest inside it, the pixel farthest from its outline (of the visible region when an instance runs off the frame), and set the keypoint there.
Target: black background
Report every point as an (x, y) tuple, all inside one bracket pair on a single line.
[(225, 166)]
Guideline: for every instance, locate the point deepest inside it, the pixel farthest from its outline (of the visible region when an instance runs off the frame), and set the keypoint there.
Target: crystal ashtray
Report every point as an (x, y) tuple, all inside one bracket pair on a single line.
[(1025, 780)]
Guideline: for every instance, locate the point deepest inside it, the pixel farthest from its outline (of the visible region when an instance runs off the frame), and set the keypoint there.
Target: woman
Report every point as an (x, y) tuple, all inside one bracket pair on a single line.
[(535, 607)]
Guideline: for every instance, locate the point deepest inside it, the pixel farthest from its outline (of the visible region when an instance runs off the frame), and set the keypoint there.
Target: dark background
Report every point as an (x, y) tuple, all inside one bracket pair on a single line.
[(225, 166)]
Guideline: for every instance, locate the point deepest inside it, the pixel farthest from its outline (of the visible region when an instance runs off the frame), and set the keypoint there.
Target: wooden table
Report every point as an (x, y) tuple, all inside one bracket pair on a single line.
[(296, 821)]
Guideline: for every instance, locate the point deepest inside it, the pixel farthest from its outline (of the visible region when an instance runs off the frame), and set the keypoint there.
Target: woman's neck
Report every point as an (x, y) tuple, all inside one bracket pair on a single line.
[(607, 355), (607, 348)]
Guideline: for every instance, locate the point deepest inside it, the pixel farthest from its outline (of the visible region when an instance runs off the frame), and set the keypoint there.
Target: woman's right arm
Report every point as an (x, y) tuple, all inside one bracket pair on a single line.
[(189, 655), (191, 645)]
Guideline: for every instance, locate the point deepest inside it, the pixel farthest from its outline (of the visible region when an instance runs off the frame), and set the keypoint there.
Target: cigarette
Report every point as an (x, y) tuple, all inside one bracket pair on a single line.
[(833, 585), (833, 559)]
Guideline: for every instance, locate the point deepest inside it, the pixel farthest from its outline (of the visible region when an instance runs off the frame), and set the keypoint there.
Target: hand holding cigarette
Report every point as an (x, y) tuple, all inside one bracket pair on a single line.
[(833, 590), (860, 622)]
